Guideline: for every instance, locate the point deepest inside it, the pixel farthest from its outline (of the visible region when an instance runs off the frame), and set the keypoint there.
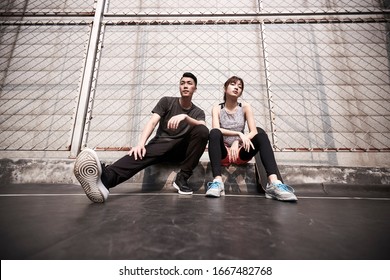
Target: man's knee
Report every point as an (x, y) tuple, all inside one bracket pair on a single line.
[(201, 131)]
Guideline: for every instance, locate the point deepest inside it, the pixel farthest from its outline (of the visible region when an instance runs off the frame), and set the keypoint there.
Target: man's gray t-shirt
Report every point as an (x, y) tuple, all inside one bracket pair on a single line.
[(166, 108)]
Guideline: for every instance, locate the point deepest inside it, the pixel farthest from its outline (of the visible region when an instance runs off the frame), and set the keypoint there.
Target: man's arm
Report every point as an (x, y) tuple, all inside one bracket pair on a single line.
[(174, 122), (139, 151)]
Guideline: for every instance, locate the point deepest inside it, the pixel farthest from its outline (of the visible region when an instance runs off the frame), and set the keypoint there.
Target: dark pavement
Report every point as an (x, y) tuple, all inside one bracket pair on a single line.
[(59, 222)]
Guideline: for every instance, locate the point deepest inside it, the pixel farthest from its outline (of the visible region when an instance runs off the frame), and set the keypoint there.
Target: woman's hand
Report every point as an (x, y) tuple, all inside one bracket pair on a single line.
[(246, 142), (234, 151)]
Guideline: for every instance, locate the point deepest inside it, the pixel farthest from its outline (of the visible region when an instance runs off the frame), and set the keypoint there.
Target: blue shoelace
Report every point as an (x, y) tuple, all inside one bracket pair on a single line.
[(213, 185), (284, 187)]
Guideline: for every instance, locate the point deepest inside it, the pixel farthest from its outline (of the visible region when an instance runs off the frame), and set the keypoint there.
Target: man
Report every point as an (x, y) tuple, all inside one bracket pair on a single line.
[(182, 135)]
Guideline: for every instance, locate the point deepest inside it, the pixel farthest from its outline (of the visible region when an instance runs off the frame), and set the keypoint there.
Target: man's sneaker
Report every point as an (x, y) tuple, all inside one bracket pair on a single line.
[(88, 171), (181, 184), (280, 191), (215, 189)]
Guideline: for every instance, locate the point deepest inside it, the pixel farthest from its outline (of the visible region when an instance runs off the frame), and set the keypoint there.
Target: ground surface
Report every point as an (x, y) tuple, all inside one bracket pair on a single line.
[(59, 222)]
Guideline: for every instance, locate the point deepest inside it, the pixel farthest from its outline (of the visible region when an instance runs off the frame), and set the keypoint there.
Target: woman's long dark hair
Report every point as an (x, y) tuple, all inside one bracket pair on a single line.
[(232, 79)]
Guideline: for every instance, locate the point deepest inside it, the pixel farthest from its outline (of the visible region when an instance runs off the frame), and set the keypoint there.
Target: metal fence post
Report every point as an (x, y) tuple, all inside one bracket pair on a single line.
[(87, 79), (267, 79), (268, 85)]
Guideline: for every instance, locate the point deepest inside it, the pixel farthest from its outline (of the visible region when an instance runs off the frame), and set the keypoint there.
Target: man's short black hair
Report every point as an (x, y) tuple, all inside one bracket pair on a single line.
[(192, 76)]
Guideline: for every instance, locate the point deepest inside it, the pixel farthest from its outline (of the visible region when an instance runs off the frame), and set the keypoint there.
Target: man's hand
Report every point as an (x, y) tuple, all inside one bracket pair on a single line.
[(138, 151), (174, 122)]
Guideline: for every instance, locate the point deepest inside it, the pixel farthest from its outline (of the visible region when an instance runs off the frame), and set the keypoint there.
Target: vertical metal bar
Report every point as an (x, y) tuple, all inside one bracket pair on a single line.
[(87, 78), (268, 84)]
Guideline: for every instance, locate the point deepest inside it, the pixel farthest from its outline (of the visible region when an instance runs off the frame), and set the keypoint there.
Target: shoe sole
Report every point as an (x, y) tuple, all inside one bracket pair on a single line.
[(180, 191), (280, 199), (212, 195), (87, 170), (222, 193)]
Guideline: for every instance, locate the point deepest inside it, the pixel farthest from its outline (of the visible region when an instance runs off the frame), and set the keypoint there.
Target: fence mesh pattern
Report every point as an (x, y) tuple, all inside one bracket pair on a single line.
[(40, 75), (139, 64), (332, 89), (16, 7), (202, 7), (315, 72)]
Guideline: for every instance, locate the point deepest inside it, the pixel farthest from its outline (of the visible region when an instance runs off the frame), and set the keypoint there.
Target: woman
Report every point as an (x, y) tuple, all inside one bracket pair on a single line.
[(229, 144)]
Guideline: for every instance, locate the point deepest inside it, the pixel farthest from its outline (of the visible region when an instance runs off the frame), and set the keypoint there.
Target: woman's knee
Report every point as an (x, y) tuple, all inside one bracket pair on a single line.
[(261, 137), (260, 131), (215, 133)]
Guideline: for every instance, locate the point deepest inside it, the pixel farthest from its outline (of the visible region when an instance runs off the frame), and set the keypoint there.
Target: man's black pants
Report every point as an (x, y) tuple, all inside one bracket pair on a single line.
[(187, 150)]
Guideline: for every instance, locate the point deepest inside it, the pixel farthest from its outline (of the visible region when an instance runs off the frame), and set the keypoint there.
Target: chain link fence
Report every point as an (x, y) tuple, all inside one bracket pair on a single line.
[(331, 90), (316, 72), (139, 64), (46, 7), (40, 76), (230, 7)]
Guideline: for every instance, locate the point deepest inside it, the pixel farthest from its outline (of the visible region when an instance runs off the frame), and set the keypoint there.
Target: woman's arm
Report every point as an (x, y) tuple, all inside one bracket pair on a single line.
[(250, 119)]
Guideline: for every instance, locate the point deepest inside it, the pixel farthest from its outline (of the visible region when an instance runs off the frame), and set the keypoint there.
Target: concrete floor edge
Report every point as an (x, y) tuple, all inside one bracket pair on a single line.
[(60, 171)]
